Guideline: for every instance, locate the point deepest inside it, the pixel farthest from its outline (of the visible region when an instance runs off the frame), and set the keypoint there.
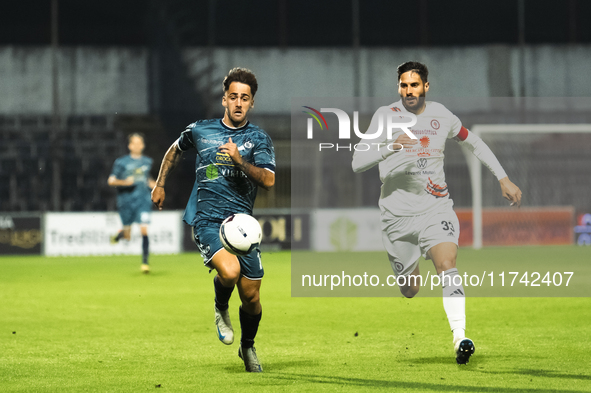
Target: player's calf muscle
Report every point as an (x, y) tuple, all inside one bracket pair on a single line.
[(250, 297)]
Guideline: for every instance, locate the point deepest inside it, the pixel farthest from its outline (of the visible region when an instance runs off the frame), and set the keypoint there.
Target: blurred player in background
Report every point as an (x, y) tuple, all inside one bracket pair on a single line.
[(234, 158), (131, 177), (417, 212)]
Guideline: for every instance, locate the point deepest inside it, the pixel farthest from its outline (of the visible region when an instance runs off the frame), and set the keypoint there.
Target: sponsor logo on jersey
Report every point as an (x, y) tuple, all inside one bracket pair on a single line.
[(212, 172), (424, 141), (211, 142), (231, 172), (223, 159), (415, 173), (435, 124), (424, 132), (421, 163)]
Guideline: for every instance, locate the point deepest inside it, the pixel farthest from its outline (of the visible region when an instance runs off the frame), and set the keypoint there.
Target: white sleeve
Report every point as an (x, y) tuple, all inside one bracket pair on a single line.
[(456, 126), (378, 150), (364, 160), (484, 154)]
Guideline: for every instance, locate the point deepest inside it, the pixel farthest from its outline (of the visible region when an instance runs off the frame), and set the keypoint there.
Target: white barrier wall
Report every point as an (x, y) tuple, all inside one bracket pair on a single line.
[(89, 233)]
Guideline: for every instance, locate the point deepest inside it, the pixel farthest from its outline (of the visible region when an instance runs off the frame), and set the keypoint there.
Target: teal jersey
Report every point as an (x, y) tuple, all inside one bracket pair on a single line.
[(220, 188), (139, 169)]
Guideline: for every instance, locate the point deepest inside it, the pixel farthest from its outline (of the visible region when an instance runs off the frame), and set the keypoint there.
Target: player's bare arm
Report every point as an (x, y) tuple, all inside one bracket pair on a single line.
[(114, 182), (510, 191), (261, 176), (169, 162)]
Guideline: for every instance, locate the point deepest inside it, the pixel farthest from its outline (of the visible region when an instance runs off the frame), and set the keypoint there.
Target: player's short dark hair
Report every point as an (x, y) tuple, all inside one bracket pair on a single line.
[(242, 75), (414, 66), (138, 134)]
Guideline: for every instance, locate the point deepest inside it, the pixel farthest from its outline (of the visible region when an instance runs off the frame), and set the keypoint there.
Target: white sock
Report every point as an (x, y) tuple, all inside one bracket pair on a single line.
[(454, 302)]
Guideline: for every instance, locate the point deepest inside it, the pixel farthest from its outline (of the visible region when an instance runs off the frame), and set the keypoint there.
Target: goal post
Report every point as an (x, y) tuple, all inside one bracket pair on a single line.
[(549, 162)]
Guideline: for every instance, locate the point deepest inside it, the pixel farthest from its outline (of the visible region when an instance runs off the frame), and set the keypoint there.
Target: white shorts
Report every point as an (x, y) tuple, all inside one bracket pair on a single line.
[(407, 238)]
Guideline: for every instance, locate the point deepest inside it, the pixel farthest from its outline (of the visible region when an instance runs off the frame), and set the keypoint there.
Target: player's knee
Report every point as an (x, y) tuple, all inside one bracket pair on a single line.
[(446, 264), (229, 275)]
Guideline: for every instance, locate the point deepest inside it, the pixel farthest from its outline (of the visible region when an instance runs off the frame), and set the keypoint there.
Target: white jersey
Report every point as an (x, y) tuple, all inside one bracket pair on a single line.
[(413, 180)]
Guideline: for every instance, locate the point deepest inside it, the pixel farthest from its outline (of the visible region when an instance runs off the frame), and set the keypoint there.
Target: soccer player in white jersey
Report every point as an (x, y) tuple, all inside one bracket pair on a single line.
[(416, 209)]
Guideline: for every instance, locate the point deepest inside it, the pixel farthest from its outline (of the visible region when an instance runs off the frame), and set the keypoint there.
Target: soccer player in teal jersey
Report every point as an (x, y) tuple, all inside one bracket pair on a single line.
[(234, 158), (131, 177)]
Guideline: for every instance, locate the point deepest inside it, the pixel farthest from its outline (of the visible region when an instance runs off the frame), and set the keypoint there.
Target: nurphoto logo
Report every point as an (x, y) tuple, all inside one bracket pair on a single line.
[(388, 121)]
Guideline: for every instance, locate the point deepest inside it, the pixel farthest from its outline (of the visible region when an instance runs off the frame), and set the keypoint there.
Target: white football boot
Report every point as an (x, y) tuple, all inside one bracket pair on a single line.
[(251, 361), (224, 326)]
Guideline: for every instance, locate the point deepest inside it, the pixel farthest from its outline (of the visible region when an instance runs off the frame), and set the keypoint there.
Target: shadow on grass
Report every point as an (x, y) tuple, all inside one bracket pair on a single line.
[(271, 367), (154, 272), (422, 386), (542, 373), (444, 360)]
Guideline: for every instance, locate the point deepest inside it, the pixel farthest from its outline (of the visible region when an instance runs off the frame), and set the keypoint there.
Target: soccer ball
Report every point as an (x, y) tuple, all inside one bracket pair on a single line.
[(240, 234)]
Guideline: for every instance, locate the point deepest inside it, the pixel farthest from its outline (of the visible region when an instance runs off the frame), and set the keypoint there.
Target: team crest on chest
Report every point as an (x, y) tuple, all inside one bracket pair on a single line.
[(247, 145), (435, 124)]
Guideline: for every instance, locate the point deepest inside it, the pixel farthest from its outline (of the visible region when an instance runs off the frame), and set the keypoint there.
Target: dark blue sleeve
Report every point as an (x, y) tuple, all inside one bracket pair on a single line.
[(185, 141), (264, 153), (118, 169)]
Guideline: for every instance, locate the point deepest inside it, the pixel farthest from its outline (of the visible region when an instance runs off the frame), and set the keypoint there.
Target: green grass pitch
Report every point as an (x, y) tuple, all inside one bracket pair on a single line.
[(97, 324)]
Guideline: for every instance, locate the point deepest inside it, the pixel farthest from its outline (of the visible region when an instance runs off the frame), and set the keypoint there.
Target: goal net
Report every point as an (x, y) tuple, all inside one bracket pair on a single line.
[(551, 164)]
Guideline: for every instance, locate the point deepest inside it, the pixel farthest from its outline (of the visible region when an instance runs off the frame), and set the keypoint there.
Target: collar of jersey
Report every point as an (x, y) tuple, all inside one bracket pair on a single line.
[(234, 129)]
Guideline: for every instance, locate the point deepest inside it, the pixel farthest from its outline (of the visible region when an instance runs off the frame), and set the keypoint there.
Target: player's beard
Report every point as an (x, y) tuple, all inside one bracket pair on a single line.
[(415, 103)]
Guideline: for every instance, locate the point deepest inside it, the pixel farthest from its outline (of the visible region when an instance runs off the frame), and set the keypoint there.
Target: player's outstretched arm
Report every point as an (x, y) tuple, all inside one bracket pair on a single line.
[(261, 176), (481, 150), (170, 160)]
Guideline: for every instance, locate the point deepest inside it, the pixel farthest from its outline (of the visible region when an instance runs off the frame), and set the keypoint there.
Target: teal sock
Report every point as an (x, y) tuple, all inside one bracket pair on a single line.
[(145, 247)]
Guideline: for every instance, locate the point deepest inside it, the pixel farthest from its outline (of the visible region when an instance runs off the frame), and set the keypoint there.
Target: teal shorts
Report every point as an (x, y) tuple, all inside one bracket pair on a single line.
[(206, 236), (135, 213)]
